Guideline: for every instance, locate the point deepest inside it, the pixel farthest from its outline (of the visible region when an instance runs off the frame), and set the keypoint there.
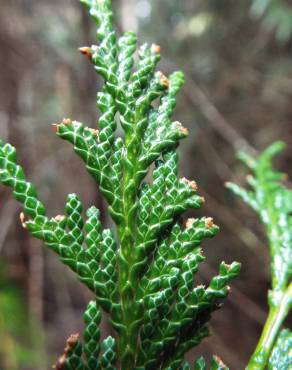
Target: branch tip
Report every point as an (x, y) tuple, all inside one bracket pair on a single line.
[(94, 132), (87, 51), (55, 127), (220, 362), (71, 342), (67, 121), (191, 184), (164, 80), (59, 218), (181, 128), (22, 220), (155, 48), (209, 222), (189, 223)]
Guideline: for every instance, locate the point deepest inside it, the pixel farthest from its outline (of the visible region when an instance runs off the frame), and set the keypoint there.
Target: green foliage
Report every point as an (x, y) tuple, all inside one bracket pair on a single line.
[(216, 364), (273, 203), (281, 357), (143, 277), (92, 360), (276, 14)]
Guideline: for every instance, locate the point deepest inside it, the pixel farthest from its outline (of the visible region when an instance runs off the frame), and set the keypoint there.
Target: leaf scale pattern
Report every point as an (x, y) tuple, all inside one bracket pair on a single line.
[(273, 203), (142, 276)]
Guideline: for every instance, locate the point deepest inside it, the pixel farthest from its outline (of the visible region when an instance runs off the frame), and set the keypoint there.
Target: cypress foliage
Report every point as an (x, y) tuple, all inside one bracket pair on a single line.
[(273, 203), (143, 275)]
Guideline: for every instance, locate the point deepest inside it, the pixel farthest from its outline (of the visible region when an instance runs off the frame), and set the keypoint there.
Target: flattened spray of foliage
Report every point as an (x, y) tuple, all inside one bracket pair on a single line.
[(273, 203), (141, 274)]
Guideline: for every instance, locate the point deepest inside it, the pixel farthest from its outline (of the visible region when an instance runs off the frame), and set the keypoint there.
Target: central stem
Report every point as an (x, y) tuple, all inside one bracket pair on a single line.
[(130, 309), (277, 315)]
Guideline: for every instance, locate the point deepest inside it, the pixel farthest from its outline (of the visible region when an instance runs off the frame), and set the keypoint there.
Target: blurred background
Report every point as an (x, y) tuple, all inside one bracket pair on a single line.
[(237, 60)]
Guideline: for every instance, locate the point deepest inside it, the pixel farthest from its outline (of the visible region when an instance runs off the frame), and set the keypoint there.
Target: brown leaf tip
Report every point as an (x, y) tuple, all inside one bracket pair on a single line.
[(67, 121), (164, 80), (59, 218), (22, 220), (191, 184), (181, 128), (220, 362), (87, 51), (55, 127), (155, 48), (209, 222), (190, 223), (71, 342), (60, 363), (94, 131)]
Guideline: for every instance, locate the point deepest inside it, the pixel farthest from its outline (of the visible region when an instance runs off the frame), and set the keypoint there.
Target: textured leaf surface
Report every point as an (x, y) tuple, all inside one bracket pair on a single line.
[(281, 358), (273, 202), (143, 273)]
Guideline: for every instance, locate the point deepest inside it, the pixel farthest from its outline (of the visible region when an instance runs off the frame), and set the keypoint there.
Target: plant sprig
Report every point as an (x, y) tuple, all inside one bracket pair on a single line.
[(142, 275), (273, 203)]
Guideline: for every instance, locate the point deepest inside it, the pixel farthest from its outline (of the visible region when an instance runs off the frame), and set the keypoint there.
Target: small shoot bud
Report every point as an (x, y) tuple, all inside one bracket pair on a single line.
[(55, 127), (94, 131), (155, 48), (71, 342), (191, 184), (183, 130), (209, 223), (22, 220), (190, 222), (67, 121), (59, 218), (163, 79), (87, 51), (220, 362)]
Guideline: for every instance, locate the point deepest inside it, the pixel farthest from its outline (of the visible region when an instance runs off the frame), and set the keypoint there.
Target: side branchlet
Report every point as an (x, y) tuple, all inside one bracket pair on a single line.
[(273, 203)]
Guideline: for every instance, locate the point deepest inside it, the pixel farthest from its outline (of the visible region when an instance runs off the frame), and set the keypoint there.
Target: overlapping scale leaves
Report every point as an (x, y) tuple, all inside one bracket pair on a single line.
[(142, 275), (273, 202), (200, 364), (92, 355), (281, 357)]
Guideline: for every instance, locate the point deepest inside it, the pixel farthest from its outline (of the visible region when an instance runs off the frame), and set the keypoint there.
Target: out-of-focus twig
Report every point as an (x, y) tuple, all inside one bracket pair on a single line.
[(199, 98), (196, 95)]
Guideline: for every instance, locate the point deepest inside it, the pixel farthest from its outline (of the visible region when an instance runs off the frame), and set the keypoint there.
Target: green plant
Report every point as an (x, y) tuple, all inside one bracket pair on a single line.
[(276, 15), (142, 275), (273, 202)]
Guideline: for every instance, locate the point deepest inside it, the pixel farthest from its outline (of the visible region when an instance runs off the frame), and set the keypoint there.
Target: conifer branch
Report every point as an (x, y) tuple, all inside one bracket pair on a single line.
[(143, 274), (273, 203)]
